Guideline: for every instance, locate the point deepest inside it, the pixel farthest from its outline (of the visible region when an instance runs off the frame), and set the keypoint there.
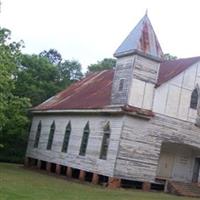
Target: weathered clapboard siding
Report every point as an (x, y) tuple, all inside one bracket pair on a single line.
[(140, 145), (123, 70), (135, 157), (144, 77), (140, 75), (173, 97), (141, 94), (146, 69), (89, 162)]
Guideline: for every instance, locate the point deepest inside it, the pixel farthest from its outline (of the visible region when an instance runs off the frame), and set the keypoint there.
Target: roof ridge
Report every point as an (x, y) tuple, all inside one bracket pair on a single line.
[(194, 57), (171, 68)]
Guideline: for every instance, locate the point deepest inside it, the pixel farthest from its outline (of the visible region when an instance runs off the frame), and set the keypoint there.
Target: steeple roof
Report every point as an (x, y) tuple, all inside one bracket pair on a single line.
[(142, 40)]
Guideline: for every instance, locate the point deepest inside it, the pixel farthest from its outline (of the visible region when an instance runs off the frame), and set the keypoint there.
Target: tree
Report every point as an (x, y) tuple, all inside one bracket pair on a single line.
[(9, 59), (24, 78), (106, 63), (37, 79), (52, 55), (13, 109), (168, 56), (69, 72)]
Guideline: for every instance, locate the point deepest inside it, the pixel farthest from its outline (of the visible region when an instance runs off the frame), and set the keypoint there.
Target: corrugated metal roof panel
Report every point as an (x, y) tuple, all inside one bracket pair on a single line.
[(170, 69), (91, 92), (94, 91)]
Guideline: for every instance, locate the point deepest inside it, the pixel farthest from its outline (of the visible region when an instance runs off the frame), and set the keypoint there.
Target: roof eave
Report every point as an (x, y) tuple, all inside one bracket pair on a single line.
[(133, 52), (105, 110), (112, 110)]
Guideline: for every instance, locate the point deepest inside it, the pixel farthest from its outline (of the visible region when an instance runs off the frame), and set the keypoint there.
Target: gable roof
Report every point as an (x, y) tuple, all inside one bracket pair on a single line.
[(170, 69), (142, 40), (94, 91)]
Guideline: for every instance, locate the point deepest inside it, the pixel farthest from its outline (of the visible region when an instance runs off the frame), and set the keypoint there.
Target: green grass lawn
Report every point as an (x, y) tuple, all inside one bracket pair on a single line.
[(17, 183)]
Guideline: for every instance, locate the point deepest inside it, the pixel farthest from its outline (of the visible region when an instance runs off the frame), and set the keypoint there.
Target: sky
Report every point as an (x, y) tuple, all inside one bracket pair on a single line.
[(90, 30)]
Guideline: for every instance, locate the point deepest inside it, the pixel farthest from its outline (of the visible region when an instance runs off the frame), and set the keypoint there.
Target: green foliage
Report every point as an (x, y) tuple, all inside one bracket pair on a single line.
[(168, 56), (27, 80), (106, 63), (69, 72), (52, 55), (9, 56), (36, 79), (39, 79), (13, 119)]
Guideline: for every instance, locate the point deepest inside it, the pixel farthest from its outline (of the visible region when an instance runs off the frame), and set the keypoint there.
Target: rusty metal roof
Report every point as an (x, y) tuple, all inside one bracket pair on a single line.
[(170, 69), (89, 93), (143, 40), (94, 91)]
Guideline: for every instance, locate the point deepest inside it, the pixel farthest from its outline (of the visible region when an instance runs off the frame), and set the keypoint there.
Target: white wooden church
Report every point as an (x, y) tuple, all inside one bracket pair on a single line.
[(138, 123)]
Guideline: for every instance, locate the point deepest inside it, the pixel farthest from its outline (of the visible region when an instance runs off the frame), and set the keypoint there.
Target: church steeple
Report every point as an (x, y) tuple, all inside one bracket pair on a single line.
[(141, 40), (137, 67)]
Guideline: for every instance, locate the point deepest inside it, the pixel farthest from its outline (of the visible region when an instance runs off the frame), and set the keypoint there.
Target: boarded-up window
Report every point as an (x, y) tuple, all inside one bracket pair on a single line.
[(121, 84), (37, 136), (194, 99), (51, 135), (105, 142), (66, 137), (84, 141)]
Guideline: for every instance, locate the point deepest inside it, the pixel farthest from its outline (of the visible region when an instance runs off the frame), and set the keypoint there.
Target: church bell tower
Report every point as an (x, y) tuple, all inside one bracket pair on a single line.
[(137, 67)]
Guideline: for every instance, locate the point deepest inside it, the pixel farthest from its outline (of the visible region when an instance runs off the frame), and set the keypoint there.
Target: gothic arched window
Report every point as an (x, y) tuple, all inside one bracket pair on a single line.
[(66, 138), (51, 135), (194, 99), (84, 141), (105, 141), (37, 136)]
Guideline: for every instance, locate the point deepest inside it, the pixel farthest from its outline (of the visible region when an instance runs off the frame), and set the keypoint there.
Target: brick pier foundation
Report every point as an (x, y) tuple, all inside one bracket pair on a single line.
[(95, 179), (114, 182), (146, 186), (82, 175), (58, 169), (69, 172)]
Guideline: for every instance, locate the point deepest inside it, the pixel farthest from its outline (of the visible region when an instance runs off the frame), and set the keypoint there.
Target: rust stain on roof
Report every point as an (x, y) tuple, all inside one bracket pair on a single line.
[(91, 92), (170, 69), (94, 91), (144, 39)]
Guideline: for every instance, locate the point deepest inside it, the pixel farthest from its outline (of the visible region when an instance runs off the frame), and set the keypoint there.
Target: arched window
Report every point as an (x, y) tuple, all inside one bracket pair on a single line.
[(194, 99), (105, 141), (84, 141), (37, 136), (51, 135), (66, 137)]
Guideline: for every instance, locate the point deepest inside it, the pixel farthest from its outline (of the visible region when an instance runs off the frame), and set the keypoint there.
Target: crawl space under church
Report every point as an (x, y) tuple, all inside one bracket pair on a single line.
[(136, 125)]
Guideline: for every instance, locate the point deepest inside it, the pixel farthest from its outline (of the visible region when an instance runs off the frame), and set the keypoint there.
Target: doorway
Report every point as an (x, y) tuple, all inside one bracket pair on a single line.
[(165, 166), (196, 169)]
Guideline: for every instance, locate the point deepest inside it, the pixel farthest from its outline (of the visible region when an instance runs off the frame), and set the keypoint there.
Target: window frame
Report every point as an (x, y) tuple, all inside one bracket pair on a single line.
[(66, 138), (194, 99), (51, 135), (84, 140), (37, 135), (105, 142)]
